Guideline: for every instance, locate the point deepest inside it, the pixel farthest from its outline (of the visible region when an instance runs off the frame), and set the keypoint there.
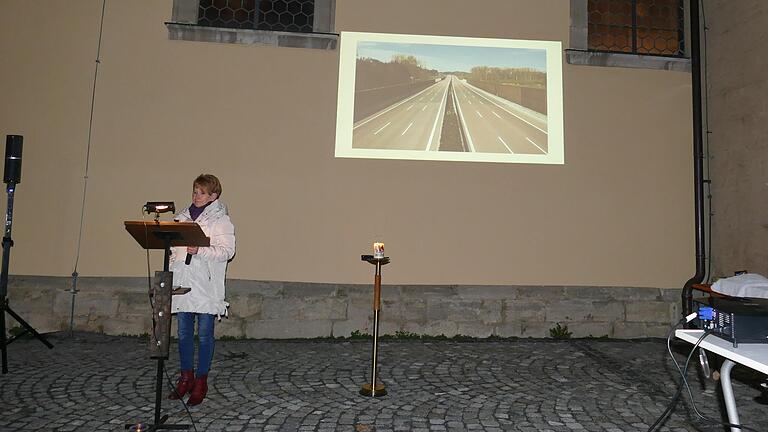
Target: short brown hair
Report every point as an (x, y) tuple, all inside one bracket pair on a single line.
[(209, 183)]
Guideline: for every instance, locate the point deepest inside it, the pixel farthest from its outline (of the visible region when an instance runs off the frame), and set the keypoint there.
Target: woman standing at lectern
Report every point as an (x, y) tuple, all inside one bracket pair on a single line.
[(202, 270)]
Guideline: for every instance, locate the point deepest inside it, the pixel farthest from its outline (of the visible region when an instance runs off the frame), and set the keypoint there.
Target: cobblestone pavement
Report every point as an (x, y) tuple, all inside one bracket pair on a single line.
[(92, 382)]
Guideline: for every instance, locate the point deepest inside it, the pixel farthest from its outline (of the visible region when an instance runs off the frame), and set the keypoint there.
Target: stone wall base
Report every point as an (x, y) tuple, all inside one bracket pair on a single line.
[(259, 309)]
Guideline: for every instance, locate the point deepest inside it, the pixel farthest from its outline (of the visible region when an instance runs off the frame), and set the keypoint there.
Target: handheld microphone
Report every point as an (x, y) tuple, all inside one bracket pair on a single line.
[(188, 259)]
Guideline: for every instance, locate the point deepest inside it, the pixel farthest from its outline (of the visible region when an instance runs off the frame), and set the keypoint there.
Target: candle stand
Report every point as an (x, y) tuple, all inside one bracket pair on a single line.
[(375, 389)]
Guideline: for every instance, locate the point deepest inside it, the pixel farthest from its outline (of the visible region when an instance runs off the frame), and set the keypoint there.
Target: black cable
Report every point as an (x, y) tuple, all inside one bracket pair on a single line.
[(676, 397), (684, 382), (181, 398), (693, 403)]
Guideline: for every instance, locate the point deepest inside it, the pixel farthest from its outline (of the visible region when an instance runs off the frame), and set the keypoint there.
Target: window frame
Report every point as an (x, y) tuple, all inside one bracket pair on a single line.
[(580, 54), (184, 26)]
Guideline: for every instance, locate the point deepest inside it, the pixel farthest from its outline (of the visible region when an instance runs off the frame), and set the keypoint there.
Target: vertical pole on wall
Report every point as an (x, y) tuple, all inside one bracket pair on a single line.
[(73, 291), (97, 62), (698, 160)]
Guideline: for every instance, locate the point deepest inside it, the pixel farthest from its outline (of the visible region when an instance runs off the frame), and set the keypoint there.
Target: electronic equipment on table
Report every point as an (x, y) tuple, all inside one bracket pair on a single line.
[(738, 320)]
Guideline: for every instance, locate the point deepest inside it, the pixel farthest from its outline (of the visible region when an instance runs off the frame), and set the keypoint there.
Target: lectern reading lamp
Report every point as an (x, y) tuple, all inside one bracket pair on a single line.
[(158, 207), (159, 234), (11, 177)]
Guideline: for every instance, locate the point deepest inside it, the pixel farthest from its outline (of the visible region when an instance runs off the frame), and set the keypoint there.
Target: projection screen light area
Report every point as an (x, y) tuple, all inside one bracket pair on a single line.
[(449, 98)]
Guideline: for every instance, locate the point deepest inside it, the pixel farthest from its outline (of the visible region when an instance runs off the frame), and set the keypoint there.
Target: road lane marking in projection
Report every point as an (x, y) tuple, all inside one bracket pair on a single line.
[(478, 113), (461, 119), (494, 102), (505, 145), (406, 129), (382, 128), (389, 109), (425, 107), (494, 113), (537, 146), (437, 117), (411, 106)]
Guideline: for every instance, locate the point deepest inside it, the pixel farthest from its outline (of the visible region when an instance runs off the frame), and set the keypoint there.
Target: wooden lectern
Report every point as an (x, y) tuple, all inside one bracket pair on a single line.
[(163, 235)]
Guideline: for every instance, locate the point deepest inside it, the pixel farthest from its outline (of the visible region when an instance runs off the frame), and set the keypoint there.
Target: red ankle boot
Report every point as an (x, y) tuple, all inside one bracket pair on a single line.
[(198, 391), (183, 385)]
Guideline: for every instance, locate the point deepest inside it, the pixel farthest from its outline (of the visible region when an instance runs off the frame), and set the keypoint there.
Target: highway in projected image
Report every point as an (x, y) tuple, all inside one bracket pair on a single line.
[(486, 123), (413, 123)]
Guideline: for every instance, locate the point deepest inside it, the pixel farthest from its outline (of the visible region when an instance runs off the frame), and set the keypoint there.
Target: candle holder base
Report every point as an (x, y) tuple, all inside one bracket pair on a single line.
[(380, 390)]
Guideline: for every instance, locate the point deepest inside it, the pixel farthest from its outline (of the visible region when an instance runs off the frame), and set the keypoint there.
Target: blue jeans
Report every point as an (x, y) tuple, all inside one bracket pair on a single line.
[(186, 321)]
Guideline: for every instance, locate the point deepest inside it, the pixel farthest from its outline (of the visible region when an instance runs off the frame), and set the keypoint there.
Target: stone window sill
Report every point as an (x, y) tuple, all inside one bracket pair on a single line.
[(592, 58), (191, 32)]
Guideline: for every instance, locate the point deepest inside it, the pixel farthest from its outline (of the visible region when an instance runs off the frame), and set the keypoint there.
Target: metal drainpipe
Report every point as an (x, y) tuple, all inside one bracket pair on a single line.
[(698, 160)]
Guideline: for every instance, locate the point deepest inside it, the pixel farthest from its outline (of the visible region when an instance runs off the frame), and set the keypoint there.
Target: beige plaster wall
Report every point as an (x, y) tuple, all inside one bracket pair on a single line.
[(738, 121), (618, 213)]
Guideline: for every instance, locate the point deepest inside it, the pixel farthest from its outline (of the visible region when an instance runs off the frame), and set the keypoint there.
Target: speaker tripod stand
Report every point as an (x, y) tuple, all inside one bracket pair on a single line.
[(4, 302)]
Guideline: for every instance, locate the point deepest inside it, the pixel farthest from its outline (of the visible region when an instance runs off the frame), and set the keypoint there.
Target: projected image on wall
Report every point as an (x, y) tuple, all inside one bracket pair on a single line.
[(447, 98)]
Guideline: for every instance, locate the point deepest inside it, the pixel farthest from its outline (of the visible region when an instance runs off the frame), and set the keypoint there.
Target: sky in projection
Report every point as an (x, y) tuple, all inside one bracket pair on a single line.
[(452, 58)]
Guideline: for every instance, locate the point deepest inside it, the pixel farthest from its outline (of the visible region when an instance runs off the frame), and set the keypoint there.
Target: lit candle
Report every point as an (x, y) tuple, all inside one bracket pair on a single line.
[(378, 250)]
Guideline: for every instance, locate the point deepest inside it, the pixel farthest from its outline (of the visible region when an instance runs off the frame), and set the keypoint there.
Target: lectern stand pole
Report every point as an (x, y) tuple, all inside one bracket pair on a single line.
[(163, 235), (161, 311)]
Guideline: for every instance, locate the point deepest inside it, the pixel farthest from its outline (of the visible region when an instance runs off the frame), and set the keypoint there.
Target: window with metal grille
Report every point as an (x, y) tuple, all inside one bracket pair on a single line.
[(274, 15), (651, 27)]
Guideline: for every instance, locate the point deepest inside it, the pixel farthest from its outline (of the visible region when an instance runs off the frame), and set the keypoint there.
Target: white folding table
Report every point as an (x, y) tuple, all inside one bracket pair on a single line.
[(754, 356)]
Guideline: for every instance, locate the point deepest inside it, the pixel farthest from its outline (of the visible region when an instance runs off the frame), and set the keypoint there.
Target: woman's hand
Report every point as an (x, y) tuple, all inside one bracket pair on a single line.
[(192, 250)]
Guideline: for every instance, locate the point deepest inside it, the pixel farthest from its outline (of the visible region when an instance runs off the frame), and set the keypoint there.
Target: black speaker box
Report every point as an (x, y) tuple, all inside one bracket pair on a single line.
[(13, 146)]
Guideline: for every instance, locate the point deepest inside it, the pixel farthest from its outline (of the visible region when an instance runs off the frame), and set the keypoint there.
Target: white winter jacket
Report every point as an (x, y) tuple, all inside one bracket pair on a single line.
[(206, 272)]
